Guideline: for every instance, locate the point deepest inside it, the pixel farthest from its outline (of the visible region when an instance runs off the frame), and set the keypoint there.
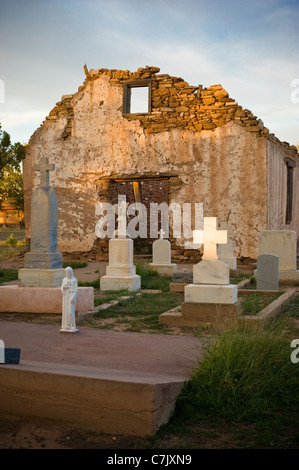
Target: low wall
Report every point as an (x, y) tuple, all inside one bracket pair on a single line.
[(17, 299)]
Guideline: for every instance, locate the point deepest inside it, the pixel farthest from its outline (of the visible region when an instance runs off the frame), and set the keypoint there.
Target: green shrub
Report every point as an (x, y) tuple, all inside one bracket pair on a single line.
[(11, 240), (244, 375), (7, 275)]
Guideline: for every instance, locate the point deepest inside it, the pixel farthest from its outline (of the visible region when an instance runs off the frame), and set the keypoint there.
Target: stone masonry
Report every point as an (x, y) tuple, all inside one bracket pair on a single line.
[(197, 140)]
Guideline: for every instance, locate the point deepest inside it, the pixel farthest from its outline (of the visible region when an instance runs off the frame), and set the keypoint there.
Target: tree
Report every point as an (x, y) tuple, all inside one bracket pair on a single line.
[(11, 188), (11, 155), (11, 180)]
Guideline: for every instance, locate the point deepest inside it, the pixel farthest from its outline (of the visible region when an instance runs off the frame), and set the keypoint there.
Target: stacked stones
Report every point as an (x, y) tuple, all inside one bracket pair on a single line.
[(65, 108), (174, 104)]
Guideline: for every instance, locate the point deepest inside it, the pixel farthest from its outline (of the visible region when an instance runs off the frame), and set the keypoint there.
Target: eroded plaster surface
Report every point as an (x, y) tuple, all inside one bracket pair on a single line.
[(213, 153)]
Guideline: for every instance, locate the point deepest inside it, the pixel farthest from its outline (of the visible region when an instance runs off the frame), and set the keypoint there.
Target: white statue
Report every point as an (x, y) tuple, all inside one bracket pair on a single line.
[(69, 289)]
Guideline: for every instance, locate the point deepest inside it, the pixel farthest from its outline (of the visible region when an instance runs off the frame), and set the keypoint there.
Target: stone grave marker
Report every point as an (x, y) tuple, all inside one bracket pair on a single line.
[(43, 264), (211, 298), (282, 243), (226, 252), (120, 272), (267, 276), (162, 256)]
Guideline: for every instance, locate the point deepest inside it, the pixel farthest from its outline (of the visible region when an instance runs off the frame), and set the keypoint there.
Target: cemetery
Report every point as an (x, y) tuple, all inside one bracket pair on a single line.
[(122, 345), (136, 393)]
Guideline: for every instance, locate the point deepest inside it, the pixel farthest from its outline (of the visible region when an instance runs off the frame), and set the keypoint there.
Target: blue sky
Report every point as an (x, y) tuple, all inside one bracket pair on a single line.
[(250, 47)]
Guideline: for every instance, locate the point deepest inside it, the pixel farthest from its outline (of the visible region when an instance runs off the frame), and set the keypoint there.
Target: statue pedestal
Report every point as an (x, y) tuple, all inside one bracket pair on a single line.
[(62, 330), (41, 277)]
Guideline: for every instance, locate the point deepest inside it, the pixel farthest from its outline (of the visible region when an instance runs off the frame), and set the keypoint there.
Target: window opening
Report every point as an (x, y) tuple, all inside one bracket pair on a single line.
[(290, 172), (137, 97)]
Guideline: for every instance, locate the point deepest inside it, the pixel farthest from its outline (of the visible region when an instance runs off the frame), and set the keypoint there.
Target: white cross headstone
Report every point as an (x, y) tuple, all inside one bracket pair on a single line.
[(210, 237), (210, 270)]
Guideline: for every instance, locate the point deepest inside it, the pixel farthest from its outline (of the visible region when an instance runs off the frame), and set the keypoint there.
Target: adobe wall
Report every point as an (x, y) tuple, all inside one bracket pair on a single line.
[(211, 150), (277, 186)]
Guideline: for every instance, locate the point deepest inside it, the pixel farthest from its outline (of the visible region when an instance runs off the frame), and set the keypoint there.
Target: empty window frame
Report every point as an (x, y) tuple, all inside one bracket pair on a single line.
[(137, 97)]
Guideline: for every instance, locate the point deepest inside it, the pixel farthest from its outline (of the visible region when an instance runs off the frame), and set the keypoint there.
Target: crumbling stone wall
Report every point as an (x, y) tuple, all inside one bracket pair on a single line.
[(200, 140), (175, 104)]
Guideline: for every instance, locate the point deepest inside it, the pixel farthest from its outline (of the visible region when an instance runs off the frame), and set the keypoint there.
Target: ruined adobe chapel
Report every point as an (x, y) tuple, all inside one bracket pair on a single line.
[(189, 144)]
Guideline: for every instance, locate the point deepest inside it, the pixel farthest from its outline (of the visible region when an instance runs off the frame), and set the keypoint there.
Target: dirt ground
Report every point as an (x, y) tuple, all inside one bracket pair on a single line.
[(18, 433), (25, 433)]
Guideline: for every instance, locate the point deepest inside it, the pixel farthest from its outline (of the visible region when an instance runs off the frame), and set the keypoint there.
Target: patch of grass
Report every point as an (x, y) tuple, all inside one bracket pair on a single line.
[(148, 304), (138, 313), (11, 251), (252, 304), (239, 278), (7, 275), (108, 296), (150, 278), (74, 264), (245, 376), (95, 284)]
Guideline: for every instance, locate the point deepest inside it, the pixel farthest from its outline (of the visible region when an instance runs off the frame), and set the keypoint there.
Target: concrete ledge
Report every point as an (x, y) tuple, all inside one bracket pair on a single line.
[(178, 287), (194, 314), (18, 299), (108, 401)]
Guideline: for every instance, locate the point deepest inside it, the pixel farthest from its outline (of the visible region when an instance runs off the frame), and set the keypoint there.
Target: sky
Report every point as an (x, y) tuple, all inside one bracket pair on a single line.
[(250, 47)]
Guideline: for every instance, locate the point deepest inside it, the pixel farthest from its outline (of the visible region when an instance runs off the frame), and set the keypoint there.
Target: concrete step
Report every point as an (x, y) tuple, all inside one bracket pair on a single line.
[(106, 381)]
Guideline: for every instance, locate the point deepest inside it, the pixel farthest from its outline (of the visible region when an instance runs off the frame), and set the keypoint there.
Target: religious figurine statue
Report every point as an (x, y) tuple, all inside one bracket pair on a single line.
[(69, 289)]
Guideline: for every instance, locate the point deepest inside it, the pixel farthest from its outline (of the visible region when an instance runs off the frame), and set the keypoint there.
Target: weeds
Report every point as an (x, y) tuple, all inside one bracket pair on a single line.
[(254, 303), (245, 376), (150, 278), (7, 275), (74, 264)]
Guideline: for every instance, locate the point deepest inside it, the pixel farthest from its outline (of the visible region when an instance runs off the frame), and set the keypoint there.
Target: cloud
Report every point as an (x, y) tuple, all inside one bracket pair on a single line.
[(251, 48), (14, 119)]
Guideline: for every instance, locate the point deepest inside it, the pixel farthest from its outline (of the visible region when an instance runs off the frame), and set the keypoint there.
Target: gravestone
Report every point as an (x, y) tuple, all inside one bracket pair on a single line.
[(43, 264), (282, 243), (226, 252), (162, 256), (267, 276), (120, 272), (211, 298)]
